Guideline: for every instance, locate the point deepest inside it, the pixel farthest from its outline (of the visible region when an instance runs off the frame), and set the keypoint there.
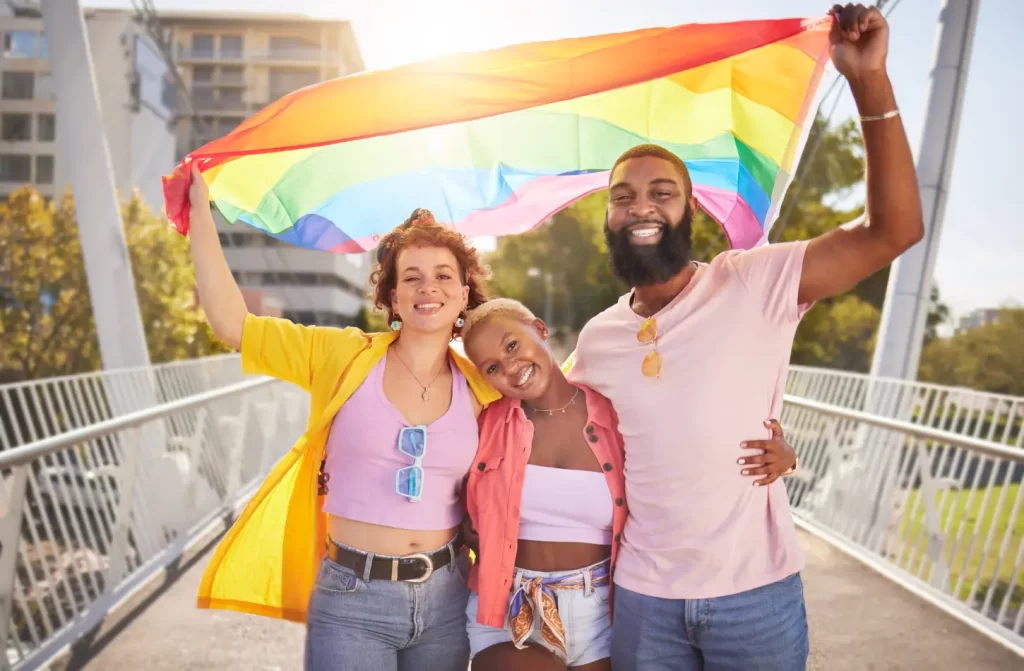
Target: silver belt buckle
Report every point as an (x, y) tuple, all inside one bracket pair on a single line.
[(427, 561)]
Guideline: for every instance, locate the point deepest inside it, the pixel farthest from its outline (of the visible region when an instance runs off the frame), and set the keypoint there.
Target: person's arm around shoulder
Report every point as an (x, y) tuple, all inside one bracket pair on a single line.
[(838, 260)]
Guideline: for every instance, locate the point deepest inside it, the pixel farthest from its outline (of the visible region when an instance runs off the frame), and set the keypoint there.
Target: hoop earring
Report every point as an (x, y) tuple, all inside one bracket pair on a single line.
[(396, 325)]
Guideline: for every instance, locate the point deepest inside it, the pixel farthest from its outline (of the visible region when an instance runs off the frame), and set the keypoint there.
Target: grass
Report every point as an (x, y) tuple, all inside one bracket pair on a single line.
[(962, 514)]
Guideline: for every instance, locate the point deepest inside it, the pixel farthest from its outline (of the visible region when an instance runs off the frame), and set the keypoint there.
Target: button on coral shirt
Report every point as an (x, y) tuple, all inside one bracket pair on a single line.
[(495, 487)]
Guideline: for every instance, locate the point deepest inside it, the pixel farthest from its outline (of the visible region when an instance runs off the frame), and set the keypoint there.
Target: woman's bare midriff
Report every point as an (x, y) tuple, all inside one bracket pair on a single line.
[(385, 540), (549, 557)]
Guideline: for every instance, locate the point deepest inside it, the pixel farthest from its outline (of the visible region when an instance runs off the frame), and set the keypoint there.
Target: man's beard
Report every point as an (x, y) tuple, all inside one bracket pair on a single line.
[(644, 265)]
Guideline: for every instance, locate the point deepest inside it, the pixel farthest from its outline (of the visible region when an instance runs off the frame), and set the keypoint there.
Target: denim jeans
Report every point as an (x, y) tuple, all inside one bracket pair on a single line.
[(761, 629), (380, 625)]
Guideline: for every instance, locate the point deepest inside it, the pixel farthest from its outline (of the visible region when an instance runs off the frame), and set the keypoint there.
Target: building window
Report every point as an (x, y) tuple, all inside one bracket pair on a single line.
[(202, 74), (290, 47), (44, 87), (202, 98), (231, 99), (232, 76), (310, 318), (18, 85), (44, 47), (227, 124), (20, 44), (330, 280), (248, 240), (231, 46), (202, 46), (283, 82), (44, 169), (16, 127), (15, 168), (202, 132), (46, 128)]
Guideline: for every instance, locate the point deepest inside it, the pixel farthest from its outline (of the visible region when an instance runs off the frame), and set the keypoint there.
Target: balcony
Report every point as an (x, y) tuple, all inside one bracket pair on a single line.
[(208, 54), (292, 55), (221, 80)]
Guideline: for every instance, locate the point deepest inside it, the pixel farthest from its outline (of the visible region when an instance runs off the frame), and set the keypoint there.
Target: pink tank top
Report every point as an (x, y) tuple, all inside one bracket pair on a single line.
[(363, 457), (565, 506)]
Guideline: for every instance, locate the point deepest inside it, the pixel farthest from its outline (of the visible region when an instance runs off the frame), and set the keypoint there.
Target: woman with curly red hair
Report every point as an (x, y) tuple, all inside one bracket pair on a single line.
[(373, 561)]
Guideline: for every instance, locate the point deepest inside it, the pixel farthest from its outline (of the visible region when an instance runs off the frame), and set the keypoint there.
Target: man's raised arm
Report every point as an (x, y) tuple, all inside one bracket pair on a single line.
[(839, 259)]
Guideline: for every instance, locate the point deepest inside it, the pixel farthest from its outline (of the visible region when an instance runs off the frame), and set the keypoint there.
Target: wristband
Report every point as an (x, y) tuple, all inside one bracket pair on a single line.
[(881, 117)]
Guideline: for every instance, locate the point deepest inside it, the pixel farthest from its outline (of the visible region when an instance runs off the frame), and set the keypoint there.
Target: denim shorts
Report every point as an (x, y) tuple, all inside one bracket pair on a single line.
[(584, 612), (382, 625)]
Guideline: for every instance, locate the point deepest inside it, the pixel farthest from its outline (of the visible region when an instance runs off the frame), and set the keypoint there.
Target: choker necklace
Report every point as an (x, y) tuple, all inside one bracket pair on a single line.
[(562, 409)]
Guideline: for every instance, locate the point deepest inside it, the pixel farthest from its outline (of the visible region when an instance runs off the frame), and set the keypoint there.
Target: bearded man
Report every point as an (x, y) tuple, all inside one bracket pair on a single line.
[(694, 359)]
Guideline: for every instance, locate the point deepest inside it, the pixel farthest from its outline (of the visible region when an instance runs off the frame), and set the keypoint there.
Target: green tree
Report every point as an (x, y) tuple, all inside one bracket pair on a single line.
[(837, 332), (46, 321), (988, 358), (371, 320), (938, 314), (570, 250)]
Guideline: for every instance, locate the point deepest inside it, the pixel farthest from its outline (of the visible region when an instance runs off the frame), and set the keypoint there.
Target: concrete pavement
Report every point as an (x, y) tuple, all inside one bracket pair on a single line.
[(858, 621)]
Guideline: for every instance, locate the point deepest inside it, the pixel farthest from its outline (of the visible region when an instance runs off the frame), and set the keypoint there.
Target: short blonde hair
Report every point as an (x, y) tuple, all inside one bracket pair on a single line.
[(496, 307)]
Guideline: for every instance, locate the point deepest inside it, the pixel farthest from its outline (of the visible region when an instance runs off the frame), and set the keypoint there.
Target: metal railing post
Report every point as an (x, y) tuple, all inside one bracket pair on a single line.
[(14, 486), (127, 474)]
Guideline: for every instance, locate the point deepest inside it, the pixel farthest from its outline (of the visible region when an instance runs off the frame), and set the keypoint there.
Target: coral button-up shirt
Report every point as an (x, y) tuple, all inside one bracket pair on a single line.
[(495, 486)]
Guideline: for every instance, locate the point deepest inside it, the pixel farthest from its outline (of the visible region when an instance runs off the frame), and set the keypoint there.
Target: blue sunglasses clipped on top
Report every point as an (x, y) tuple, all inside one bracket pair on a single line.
[(412, 442)]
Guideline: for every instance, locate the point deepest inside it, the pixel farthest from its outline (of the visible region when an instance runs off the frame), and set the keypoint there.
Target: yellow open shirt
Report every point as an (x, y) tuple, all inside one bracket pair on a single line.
[(267, 562)]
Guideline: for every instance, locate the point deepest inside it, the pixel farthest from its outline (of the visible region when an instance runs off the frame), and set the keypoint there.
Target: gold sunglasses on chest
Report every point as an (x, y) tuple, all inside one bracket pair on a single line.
[(648, 335)]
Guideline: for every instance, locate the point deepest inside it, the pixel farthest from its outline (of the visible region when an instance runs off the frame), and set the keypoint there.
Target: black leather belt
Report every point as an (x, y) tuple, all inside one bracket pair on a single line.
[(410, 568)]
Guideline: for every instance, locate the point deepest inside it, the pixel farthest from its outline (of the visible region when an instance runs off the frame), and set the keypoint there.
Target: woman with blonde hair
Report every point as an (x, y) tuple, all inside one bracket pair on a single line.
[(547, 503)]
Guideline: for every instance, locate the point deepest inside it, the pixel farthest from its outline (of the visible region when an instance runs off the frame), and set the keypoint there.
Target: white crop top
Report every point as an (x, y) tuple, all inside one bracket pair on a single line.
[(565, 506)]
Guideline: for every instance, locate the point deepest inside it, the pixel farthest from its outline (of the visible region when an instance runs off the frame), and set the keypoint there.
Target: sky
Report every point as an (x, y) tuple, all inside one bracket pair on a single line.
[(982, 236)]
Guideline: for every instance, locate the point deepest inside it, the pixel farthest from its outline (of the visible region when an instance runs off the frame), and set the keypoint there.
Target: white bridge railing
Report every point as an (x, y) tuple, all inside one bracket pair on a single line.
[(921, 482), (108, 478)]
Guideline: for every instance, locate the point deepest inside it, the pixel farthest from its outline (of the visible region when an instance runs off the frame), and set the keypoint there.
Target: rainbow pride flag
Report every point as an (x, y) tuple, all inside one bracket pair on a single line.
[(496, 142)]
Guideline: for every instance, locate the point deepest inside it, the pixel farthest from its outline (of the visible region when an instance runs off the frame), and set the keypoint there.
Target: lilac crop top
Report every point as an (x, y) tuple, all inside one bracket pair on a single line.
[(565, 506), (363, 457)]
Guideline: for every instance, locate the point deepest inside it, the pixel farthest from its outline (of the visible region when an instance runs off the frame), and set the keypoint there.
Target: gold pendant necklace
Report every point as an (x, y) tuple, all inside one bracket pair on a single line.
[(426, 394)]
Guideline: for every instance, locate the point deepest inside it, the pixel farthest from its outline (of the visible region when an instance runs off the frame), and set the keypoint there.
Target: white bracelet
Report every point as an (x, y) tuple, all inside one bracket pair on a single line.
[(881, 117)]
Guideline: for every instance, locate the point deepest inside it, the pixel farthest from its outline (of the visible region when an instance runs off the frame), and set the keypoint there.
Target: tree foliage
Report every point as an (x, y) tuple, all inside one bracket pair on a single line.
[(988, 357), (46, 321), (566, 257), (371, 320)]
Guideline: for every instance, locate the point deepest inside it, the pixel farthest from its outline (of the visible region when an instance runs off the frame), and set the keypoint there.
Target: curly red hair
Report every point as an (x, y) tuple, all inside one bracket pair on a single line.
[(421, 230)]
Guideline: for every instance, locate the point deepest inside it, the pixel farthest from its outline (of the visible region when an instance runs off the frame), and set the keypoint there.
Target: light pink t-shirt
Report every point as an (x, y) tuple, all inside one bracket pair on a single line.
[(697, 528)]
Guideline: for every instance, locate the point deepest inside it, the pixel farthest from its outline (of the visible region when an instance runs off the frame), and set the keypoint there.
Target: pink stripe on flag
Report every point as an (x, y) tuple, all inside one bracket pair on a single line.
[(532, 204), (740, 225), (535, 202)]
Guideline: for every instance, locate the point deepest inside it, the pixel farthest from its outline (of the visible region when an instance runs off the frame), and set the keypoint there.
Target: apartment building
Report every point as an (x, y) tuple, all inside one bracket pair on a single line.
[(134, 90), (234, 64), (977, 318)]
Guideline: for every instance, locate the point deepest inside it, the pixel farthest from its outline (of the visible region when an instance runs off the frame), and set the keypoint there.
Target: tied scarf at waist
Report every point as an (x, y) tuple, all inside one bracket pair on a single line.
[(538, 595)]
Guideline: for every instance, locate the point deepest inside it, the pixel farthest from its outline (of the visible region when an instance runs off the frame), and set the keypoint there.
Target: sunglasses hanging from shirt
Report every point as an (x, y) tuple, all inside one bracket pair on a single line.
[(412, 442)]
